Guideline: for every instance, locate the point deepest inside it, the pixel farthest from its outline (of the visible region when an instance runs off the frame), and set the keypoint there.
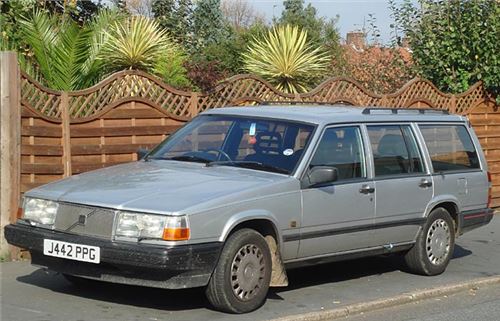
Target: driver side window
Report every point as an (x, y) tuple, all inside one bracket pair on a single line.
[(341, 147)]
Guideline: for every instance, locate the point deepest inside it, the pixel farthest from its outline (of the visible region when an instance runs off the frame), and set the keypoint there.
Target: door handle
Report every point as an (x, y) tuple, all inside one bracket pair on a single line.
[(425, 183), (366, 189)]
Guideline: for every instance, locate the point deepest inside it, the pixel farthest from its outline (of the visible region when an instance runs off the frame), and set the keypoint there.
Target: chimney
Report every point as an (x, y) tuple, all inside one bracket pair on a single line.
[(356, 39)]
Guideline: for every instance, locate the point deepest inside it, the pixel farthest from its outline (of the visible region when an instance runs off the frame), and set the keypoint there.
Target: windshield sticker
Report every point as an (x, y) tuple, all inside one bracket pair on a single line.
[(253, 128), (288, 152)]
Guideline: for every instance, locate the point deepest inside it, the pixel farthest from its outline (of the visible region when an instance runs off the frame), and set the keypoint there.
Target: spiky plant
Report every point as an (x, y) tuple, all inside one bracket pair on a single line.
[(285, 58), (136, 43)]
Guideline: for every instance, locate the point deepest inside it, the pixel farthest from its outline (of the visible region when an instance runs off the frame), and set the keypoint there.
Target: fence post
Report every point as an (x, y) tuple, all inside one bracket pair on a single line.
[(453, 104), (193, 104), (10, 144), (66, 136)]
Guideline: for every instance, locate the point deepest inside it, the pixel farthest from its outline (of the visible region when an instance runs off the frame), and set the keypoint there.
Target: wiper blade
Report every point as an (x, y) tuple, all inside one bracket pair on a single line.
[(185, 158), (249, 164)]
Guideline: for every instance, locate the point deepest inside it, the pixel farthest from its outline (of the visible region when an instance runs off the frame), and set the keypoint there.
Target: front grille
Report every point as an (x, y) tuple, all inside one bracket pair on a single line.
[(85, 220)]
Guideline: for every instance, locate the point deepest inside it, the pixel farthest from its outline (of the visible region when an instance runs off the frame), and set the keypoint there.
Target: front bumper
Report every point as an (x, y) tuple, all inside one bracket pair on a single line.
[(470, 220), (173, 267)]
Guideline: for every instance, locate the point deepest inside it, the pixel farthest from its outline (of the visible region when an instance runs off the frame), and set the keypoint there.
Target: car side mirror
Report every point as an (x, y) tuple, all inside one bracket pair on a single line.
[(322, 175), (141, 153)]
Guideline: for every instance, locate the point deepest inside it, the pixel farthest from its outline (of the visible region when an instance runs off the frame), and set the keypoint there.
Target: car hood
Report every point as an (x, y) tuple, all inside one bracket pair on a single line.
[(158, 186)]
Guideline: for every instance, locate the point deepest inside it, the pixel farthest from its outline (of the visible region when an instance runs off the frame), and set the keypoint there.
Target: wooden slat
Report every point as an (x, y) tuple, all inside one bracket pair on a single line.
[(42, 168), (84, 167), (41, 150), (122, 131), (27, 186), (133, 113), (489, 122), (108, 149), (41, 131)]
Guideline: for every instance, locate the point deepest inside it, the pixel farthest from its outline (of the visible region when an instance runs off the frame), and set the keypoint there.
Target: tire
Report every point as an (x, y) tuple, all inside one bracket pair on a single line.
[(240, 281), (434, 246)]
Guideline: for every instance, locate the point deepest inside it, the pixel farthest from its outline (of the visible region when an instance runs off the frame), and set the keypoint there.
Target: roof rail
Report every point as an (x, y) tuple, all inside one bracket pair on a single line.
[(368, 111), (293, 102)]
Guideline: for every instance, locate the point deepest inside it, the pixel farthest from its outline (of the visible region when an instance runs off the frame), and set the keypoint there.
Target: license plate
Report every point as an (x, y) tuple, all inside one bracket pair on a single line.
[(72, 251)]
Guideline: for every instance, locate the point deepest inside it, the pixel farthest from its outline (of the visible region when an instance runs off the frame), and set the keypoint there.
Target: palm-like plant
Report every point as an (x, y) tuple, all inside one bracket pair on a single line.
[(65, 53), (286, 59), (136, 43), (69, 57)]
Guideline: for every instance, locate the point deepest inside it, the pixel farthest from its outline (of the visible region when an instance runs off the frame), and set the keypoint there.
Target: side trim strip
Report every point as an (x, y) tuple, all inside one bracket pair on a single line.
[(477, 213), (353, 229)]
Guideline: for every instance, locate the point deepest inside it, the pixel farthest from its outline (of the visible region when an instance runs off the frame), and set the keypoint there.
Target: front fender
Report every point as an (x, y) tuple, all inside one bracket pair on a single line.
[(250, 215)]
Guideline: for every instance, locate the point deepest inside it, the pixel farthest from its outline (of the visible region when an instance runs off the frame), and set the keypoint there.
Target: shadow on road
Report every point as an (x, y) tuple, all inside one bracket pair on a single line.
[(153, 298), (189, 299)]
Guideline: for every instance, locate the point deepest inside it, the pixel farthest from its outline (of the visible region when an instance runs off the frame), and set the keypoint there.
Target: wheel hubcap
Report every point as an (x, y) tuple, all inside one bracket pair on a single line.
[(247, 272), (438, 242)]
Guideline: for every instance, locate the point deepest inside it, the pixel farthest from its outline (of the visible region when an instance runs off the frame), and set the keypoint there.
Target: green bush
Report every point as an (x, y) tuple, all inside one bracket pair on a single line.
[(455, 43)]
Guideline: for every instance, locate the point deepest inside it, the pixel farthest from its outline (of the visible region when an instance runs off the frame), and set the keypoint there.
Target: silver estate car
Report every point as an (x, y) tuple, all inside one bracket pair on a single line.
[(238, 195)]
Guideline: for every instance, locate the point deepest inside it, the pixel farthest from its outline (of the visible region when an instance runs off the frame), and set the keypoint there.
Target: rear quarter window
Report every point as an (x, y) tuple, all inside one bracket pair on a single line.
[(450, 147)]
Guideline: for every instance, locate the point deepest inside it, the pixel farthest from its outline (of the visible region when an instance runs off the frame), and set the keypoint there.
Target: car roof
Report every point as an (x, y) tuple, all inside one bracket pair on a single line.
[(331, 114)]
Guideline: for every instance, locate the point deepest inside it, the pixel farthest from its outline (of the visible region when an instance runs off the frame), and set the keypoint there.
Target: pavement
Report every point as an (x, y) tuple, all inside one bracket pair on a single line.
[(477, 304), (28, 293)]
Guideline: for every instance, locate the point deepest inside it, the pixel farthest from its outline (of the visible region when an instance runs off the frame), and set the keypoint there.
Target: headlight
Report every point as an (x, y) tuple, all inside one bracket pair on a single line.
[(138, 225), (40, 211)]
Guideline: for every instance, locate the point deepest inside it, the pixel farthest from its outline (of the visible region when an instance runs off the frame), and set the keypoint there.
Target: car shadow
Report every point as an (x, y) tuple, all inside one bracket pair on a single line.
[(190, 299), (144, 297)]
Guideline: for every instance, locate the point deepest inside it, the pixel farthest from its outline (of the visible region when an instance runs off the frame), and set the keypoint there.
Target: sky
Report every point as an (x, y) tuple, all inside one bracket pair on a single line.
[(353, 14)]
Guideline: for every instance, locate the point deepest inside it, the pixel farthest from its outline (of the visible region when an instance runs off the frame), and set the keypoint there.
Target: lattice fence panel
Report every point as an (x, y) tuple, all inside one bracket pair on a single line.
[(41, 99), (341, 90), (128, 87), (419, 90)]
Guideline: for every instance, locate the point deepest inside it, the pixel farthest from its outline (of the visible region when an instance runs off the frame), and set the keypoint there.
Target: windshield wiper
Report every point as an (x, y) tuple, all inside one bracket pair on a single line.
[(249, 164), (185, 158)]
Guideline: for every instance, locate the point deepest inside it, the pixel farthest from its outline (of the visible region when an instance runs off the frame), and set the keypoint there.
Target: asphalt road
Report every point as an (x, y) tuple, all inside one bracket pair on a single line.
[(28, 293), (482, 304)]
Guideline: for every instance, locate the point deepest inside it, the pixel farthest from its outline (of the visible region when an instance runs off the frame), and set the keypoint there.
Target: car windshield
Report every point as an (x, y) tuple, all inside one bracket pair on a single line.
[(255, 143)]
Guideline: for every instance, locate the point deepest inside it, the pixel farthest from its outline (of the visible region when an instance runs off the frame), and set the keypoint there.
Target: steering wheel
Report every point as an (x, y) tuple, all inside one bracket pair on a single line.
[(219, 152)]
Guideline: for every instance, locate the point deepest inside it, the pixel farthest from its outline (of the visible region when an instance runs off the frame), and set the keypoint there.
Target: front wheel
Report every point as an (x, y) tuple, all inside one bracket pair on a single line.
[(240, 281), (435, 244)]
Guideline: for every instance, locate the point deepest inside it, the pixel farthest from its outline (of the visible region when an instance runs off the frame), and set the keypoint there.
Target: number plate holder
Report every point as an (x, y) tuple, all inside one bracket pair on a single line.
[(72, 251)]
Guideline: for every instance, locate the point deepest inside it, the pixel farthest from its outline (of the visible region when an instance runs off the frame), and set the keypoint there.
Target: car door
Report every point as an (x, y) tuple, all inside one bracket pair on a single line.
[(403, 184), (337, 216)]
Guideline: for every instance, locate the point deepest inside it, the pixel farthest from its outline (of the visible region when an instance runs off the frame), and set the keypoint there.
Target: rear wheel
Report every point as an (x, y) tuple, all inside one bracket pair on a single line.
[(240, 281), (435, 244)]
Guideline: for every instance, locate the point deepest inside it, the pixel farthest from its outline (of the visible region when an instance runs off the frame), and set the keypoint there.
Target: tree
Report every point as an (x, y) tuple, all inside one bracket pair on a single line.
[(381, 70), (209, 26), (176, 16), (287, 59), (455, 43), (240, 14), (320, 30), (79, 10), (140, 7)]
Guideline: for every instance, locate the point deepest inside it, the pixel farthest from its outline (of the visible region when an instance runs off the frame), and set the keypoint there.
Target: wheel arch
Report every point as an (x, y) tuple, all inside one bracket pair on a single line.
[(450, 204), (263, 222)]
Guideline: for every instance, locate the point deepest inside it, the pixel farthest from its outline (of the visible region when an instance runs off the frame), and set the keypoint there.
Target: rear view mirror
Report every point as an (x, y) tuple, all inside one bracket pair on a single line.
[(322, 175), (141, 153)]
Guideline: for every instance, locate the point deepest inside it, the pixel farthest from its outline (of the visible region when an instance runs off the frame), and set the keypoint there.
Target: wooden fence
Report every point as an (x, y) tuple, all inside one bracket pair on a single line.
[(65, 133)]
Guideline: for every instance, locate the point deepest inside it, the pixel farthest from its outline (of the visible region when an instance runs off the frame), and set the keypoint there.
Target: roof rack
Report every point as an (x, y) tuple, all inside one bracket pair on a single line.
[(294, 102), (368, 111)]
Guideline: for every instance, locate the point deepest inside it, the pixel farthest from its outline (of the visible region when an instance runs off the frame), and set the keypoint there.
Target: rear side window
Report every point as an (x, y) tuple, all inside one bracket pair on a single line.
[(395, 150), (450, 147)]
